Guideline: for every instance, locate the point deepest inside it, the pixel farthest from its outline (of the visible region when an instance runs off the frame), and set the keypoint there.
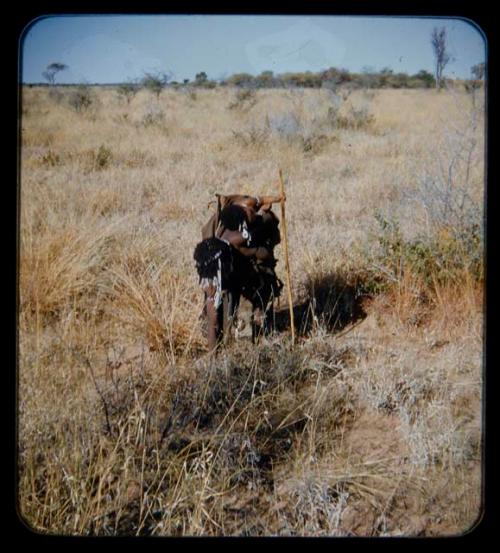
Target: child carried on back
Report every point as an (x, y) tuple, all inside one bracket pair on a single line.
[(236, 254)]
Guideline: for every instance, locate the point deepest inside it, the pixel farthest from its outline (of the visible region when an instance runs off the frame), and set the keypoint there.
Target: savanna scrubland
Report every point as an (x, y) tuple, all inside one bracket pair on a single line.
[(369, 426)]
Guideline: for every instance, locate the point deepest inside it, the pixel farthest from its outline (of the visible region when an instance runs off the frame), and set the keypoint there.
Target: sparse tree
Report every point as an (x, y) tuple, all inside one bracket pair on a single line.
[(241, 79), (426, 77), (442, 57), (200, 78), (52, 69), (384, 76), (478, 71), (265, 79), (128, 90), (155, 82), (474, 84), (82, 98)]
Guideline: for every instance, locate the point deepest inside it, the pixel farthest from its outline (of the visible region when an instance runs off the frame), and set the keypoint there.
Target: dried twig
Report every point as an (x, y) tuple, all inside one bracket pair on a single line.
[(87, 362)]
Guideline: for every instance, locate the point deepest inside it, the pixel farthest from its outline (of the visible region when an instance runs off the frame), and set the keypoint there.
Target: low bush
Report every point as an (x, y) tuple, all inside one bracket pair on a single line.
[(244, 98), (103, 157), (445, 257), (50, 159), (254, 136), (352, 118), (311, 136), (82, 98)]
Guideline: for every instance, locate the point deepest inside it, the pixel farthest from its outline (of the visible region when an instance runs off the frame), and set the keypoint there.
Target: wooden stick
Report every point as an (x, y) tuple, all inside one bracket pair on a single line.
[(287, 263)]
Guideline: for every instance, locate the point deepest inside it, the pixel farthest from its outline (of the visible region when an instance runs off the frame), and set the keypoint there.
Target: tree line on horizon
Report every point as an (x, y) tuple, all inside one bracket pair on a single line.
[(329, 78)]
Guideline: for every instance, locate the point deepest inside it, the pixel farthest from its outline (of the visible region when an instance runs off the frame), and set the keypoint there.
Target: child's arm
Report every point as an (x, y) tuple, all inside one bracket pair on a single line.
[(254, 202), (265, 202), (237, 241)]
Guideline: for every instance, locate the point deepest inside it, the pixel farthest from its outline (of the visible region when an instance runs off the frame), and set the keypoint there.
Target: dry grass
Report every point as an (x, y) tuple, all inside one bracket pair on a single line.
[(370, 426)]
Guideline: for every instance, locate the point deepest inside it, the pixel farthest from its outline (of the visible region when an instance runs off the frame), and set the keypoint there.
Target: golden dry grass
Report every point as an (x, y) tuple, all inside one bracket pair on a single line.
[(126, 427)]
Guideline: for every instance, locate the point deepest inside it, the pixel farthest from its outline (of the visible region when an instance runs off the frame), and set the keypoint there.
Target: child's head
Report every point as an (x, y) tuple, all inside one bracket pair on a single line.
[(233, 216)]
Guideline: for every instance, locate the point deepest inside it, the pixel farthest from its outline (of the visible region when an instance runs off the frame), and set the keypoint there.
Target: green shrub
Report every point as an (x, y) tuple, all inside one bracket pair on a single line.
[(442, 257), (102, 158), (155, 82)]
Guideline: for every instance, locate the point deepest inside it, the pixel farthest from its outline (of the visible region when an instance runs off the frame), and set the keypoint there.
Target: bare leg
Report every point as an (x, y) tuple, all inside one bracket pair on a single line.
[(269, 319), (257, 322), (213, 325), (232, 299)]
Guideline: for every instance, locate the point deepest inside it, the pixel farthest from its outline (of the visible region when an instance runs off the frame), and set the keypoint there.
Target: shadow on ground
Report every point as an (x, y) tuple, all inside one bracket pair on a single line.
[(331, 303)]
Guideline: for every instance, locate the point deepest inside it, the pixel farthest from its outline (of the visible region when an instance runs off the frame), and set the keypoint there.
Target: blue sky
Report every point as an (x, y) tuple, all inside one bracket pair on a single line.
[(109, 49)]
